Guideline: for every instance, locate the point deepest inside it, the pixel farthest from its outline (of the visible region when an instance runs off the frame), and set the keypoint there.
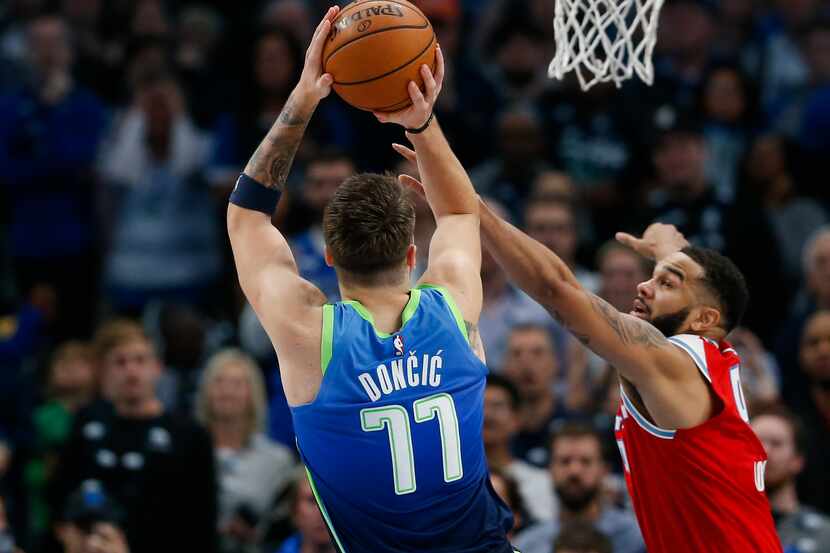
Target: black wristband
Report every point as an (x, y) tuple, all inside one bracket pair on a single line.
[(251, 194), (423, 127)]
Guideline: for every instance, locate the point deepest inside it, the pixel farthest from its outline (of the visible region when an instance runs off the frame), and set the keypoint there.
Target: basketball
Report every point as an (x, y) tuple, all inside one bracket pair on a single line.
[(374, 49)]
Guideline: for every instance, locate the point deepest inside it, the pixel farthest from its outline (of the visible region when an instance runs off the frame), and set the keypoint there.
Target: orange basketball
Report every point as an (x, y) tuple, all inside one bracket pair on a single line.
[(374, 49)]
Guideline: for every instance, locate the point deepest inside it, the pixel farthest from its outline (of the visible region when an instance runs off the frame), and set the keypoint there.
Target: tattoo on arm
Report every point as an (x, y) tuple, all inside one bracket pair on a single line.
[(632, 331), (475, 339), (272, 160)]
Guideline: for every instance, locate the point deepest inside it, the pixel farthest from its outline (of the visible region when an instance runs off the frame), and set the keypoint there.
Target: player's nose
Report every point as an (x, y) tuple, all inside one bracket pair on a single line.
[(645, 289)]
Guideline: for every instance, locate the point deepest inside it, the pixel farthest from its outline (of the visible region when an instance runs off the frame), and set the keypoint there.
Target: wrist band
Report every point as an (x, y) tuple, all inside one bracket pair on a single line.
[(250, 194), (423, 127)]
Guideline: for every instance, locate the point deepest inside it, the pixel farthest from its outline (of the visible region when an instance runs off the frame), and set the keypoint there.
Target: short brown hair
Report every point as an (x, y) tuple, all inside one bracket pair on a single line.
[(575, 429), (71, 351), (368, 226), (774, 409), (115, 333)]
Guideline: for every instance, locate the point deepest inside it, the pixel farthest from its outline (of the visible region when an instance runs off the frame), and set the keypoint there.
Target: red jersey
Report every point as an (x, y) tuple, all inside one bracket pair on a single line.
[(699, 490)]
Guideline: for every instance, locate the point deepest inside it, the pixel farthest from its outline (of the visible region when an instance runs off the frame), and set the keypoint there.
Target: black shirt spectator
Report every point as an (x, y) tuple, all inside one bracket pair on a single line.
[(159, 468)]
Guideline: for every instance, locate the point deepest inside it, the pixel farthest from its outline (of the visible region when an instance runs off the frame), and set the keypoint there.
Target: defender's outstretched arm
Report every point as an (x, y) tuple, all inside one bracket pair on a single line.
[(639, 351)]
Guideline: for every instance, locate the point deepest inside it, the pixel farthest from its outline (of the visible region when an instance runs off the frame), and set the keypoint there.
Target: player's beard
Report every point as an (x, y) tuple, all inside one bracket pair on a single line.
[(670, 324), (576, 497)]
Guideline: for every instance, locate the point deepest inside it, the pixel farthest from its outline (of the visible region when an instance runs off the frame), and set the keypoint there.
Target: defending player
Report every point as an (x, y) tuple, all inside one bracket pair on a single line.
[(694, 468), (385, 389)]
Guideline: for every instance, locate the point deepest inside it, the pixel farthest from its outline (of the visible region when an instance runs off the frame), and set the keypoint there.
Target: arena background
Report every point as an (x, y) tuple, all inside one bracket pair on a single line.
[(123, 125)]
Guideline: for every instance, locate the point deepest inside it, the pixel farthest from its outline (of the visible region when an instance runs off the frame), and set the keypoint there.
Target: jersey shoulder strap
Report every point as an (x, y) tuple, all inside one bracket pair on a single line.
[(451, 305)]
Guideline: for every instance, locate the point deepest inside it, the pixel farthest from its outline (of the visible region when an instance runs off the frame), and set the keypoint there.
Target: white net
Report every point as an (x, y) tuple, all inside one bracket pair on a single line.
[(605, 40)]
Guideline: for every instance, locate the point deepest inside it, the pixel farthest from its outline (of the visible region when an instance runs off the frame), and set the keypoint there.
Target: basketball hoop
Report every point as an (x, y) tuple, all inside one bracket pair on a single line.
[(605, 40)]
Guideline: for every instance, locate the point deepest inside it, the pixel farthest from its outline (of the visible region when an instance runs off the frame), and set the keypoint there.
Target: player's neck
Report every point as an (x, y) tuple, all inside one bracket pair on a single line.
[(385, 303), (784, 500)]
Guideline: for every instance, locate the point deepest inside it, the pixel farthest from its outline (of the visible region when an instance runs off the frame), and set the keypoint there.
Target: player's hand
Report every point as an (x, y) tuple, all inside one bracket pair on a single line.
[(423, 103), (314, 84), (658, 241), (406, 180)]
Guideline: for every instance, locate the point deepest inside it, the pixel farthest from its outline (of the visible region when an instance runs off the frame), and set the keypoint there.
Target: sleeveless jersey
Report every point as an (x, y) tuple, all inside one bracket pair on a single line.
[(699, 490), (392, 443)]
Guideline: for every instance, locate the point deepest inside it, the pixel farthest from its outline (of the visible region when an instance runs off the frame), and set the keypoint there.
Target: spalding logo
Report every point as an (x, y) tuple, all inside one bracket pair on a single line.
[(365, 14)]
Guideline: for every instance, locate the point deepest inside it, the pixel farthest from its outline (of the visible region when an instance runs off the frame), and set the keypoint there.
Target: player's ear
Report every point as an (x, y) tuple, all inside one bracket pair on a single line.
[(328, 257), (412, 256), (705, 318)]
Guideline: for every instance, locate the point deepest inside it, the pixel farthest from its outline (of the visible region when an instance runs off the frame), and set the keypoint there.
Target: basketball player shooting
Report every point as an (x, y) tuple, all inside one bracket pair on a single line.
[(694, 468), (385, 389)]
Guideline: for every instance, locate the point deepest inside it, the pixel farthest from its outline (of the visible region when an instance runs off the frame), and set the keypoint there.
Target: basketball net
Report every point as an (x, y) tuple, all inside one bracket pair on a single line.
[(605, 40)]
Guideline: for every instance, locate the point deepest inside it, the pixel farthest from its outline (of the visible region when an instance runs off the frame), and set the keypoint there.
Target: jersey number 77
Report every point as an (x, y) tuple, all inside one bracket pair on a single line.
[(395, 419)]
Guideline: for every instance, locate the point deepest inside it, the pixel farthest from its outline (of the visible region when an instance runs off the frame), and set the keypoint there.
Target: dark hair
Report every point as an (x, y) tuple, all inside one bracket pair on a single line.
[(514, 497), (498, 381), (576, 429), (582, 537), (793, 421), (748, 89), (545, 200), (368, 227), (725, 281)]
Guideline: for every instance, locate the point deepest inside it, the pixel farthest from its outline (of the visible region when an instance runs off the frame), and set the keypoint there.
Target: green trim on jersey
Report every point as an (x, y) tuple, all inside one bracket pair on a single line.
[(323, 511), (408, 311), (326, 340), (459, 318)]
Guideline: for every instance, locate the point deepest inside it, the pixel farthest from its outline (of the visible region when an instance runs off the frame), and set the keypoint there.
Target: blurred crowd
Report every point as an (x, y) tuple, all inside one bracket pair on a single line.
[(141, 408)]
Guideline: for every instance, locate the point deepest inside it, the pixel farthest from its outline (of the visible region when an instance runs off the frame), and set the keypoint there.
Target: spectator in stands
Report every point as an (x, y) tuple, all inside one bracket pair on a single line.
[(814, 296), (160, 469), (165, 238), (794, 216), (277, 60), (590, 139), (814, 484), (783, 438), (520, 157), (91, 522), (71, 385), (518, 55), (323, 176), (505, 306), (760, 375), (578, 470), (621, 269), (501, 423), (581, 537), (531, 364), (199, 40), (49, 135), (685, 198), (468, 98), (815, 124), (254, 472), (727, 106), (552, 222), (508, 490), (312, 536)]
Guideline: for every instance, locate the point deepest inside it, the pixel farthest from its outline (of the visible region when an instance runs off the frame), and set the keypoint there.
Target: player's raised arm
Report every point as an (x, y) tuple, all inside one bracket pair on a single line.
[(455, 250), (639, 350), (266, 267)]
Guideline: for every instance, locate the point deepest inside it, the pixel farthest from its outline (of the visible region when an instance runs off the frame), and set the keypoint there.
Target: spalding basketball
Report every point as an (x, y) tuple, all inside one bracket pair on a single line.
[(374, 49)]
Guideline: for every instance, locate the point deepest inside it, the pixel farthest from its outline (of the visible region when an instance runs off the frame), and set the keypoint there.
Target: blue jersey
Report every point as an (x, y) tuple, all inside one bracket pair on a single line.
[(392, 443)]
